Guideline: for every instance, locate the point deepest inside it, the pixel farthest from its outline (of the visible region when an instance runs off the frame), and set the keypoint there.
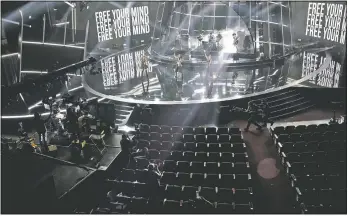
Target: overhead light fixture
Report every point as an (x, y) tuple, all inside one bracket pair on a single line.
[(61, 24), (68, 3)]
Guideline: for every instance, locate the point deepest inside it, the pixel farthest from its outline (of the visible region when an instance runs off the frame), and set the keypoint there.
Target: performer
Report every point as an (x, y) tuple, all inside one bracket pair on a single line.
[(200, 39), (252, 110), (218, 38), (235, 40), (208, 77), (211, 39), (265, 112), (144, 69), (178, 73), (178, 40)]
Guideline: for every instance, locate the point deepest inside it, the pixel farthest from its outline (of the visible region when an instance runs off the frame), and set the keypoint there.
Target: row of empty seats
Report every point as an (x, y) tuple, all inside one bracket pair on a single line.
[(207, 180), (188, 130), (307, 128), (136, 195), (175, 192), (309, 136), (312, 156), (207, 167), (315, 159), (139, 205), (195, 147), (198, 156), (210, 138), (310, 146)]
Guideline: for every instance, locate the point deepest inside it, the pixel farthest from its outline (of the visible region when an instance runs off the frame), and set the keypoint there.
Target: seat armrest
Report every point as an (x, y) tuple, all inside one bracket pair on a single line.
[(288, 164), (293, 177), (283, 154), (298, 191), (280, 145)]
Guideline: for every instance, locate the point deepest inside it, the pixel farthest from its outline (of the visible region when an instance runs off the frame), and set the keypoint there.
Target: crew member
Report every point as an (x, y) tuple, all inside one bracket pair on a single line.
[(253, 112), (266, 111), (39, 125), (72, 118)]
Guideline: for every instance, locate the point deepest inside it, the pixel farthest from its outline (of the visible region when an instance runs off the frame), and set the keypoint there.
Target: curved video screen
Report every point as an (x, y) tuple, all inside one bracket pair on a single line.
[(329, 77), (120, 68), (326, 21), (115, 24)]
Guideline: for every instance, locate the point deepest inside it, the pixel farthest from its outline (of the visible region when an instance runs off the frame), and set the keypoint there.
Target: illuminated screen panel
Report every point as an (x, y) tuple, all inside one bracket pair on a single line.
[(326, 21), (113, 24)]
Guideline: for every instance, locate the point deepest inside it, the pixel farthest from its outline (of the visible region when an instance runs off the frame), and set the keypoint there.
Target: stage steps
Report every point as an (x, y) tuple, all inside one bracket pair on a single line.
[(122, 112), (287, 103)]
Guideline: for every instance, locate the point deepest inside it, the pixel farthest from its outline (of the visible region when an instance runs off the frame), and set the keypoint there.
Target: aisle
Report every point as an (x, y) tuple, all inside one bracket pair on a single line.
[(273, 193)]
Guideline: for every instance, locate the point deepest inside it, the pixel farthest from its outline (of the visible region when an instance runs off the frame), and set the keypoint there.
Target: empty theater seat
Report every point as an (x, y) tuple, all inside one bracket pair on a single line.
[(183, 178), (222, 131), (183, 166), (210, 130), (166, 129), (200, 137), (199, 130), (188, 130), (212, 138), (224, 138), (189, 156), (173, 192), (212, 167), (168, 178), (189, 138), (190, 146), (169, 166)]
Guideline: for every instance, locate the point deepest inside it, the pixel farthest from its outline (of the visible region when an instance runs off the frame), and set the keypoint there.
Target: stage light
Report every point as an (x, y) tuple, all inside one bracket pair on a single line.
[(61, 24), (52, 44), (68, 3), (9, 55)]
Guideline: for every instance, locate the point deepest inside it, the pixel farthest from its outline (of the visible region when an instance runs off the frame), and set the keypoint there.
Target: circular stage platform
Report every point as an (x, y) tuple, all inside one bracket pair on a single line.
[(120, 77)]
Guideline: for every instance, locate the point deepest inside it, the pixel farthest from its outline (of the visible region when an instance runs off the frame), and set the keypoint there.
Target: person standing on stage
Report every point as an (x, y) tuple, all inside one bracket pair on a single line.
[(211, 39), (178, 39), (178, 73), (252, 110), (208, 77), (39, 125), (235, 40), (200, 39), (218, 39), (266, 112), (144, 69)]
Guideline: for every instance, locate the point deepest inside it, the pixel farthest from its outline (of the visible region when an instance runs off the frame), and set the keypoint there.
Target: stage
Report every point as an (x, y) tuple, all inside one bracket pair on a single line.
[(121, 78)]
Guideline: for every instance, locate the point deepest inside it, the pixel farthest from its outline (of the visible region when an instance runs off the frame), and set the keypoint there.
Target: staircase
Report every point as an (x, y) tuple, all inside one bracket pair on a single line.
[(286, 103), (122, 112)]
